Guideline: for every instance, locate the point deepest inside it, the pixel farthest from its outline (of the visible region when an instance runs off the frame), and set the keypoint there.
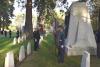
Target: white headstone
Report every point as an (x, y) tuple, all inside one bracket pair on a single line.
[(80, 33), (41, 39), (9, 59), (21, 54), (22, 39), (29, 48), (24, 36), (14, 41), (19, 39), (85, 59)]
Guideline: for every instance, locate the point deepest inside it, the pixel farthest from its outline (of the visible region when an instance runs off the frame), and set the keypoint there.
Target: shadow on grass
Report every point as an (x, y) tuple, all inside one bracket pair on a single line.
[(7, 46), (46, 56)]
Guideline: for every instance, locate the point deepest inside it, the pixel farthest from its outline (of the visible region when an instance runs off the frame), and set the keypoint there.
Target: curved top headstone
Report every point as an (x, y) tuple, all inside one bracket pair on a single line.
[(9, 59)]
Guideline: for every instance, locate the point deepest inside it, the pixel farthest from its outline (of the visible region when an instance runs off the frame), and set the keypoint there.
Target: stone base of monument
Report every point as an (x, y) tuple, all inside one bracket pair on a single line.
[(79, 48)]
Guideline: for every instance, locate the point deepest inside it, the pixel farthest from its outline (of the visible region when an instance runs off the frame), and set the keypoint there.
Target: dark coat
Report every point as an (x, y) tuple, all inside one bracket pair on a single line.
[(36, 35), (61, 38), (17, 34), (98, 37), (61, 47)]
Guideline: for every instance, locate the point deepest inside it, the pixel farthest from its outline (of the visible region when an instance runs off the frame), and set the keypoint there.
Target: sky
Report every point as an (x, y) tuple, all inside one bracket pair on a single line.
[(65, 5), (20, 10)]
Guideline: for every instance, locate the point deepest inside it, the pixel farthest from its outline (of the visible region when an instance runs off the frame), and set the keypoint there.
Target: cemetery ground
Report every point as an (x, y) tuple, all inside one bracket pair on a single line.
[(6, 45), (46, 56)]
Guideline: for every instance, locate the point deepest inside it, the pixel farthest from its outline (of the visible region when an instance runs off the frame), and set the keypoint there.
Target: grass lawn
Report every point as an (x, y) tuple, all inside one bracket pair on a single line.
[(6, 44), (46, 56)]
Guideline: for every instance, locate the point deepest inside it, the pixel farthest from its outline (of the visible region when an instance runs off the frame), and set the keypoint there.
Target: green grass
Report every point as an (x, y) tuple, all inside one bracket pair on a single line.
[(46, 56), (6, 45), (95, 62)]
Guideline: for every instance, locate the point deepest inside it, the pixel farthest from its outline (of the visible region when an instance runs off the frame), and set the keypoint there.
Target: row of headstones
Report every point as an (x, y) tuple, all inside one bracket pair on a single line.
[(9, 59), (19, 40)]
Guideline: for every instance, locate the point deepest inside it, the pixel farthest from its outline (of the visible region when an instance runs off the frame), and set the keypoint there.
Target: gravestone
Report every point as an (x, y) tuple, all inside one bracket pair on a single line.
[(41, 39), (14, 41), (19, 39), (21, 54), (29, 48), (9, 59), (80, 35), (85, 59), (23, 37)]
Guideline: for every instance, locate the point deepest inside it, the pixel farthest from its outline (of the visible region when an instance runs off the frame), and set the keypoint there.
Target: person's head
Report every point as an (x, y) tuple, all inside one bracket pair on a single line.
[(60, 28)]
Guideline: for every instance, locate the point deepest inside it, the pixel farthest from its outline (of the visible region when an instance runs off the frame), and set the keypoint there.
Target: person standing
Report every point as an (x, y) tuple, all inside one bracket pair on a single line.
[(61, 45), (98, 43), (5, 33), (36, 36), (10, 33), (17, 34)]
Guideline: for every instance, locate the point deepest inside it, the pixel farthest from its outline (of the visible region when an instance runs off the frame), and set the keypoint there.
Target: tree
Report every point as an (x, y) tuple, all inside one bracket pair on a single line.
[(6, 12), (28, 29), (96, 14), (97, 8), (44, 8), (28, 21)]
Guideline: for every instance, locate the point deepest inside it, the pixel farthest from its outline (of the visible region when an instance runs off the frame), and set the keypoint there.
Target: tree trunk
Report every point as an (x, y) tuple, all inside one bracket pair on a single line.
[(99, 19), (28, 22)]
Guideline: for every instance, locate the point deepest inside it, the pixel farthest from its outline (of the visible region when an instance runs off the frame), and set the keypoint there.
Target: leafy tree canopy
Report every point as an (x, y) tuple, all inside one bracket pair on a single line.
[(6, 12)]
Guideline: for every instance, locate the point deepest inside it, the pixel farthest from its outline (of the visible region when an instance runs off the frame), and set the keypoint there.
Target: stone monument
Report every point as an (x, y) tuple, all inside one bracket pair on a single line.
[(80, 35)]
